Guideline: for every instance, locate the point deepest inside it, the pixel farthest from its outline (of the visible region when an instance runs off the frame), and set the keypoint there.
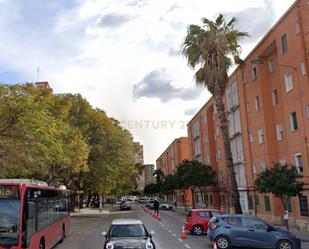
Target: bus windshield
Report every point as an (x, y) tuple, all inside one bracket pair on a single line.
[(9, 222)]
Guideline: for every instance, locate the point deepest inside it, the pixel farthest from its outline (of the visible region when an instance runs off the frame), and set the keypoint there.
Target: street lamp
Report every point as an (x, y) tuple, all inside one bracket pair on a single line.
[(259, 61)]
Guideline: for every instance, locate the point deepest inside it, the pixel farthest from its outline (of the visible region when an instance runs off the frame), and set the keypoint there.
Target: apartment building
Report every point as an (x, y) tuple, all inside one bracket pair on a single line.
[(148, 172), (168, 161), (267, 104)]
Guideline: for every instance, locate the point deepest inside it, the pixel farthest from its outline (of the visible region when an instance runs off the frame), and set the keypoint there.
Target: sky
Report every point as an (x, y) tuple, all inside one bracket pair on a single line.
[(123, 56)]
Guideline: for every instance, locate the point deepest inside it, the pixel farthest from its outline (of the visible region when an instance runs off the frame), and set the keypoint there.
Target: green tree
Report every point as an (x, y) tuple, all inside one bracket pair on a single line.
[(280, 180), (210, 48), (193, 175), (34, 141)]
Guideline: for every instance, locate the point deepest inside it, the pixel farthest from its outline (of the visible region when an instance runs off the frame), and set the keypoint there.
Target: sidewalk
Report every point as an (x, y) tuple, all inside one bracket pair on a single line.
[(304, 236), (90, 211)]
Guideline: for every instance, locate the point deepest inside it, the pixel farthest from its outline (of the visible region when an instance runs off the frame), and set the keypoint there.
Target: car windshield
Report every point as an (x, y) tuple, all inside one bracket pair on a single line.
[(9, 222), (128, 231)]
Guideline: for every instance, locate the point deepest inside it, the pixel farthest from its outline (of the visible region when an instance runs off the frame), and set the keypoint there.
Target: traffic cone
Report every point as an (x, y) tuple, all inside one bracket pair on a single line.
[(183, 233), (215, 245)]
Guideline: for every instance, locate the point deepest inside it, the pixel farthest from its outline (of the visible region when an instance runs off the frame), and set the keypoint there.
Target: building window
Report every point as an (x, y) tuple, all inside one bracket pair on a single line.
[(218, 155), (299, 163), (284, 44), (257, 103), (250, 202), (245, 77), (288, 205), (197, 149), (274, 96), (196, 129), (293, 121), (254, 168), (288, 82), (302, 69), (263, 165), (267, 203), (297, 27), (206, 138), (271, 65), (303, 205), (215, 109), (261, 136), (248, 107), (279, 131), (251, 137), (254, 73)]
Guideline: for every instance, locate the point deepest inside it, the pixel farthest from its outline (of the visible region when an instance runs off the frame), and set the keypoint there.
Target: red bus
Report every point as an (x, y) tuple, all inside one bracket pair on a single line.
[(32, 216)]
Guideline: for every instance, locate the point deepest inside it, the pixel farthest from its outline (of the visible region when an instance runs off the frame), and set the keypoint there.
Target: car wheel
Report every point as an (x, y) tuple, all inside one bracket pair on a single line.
[(197, 230), (164, 208), (222, 242), (285, 244)]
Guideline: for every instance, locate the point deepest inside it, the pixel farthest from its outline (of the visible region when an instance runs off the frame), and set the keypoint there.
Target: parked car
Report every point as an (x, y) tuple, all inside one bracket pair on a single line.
[(197, 220), (165, 206), (248, 231), (128, 233), (149, 204), (125, 205)]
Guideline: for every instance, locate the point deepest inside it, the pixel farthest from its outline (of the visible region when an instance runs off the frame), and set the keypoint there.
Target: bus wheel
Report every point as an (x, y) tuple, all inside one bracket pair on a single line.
[(42, 244), (62, 234)]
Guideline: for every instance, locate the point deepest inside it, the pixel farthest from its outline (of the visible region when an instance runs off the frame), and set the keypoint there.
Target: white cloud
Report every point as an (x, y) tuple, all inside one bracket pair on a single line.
[(75, 54)]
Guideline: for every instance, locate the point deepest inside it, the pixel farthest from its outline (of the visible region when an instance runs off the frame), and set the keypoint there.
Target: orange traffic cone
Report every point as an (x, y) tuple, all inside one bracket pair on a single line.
[(215, 245), (183, 233)]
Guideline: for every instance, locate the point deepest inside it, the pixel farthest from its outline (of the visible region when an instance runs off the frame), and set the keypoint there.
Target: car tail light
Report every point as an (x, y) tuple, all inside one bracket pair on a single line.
[(213, 226)]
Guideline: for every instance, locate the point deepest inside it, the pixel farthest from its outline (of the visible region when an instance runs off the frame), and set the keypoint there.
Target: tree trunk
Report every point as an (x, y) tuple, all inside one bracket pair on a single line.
[(218, 96), (101, 202), (88, 199), (193, 198), (286, 221)]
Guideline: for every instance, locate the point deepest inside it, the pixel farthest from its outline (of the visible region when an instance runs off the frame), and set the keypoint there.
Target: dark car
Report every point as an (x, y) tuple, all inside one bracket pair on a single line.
[(125, 205), (128, 233), (248, 232), (197, 220)]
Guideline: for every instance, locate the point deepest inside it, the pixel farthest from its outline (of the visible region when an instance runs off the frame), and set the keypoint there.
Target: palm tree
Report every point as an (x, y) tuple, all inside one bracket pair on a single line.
[(212, 48)]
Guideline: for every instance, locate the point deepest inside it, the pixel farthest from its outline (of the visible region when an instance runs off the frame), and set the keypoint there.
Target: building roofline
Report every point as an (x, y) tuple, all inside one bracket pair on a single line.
[(170, 146)]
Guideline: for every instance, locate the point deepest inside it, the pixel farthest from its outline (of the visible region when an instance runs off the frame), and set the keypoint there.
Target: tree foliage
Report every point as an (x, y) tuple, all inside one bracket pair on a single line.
[(189, 175), (281, 180), (62, 139)]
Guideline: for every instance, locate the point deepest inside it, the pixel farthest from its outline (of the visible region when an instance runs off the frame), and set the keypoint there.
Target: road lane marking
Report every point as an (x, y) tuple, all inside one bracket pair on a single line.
[(180, 240), (170, 231), (186, 245), (174, 235)]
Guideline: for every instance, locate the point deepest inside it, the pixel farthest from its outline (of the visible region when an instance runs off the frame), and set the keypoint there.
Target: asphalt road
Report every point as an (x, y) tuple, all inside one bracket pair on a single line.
[(86, 230)]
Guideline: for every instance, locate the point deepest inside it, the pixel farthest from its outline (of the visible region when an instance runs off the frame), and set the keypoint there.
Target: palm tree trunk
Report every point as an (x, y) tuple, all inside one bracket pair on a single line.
[(218, 96)]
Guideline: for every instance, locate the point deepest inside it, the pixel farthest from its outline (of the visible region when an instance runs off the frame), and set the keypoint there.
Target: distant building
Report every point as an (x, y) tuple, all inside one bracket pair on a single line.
[(139, 159), (168, 162), (149, 171)]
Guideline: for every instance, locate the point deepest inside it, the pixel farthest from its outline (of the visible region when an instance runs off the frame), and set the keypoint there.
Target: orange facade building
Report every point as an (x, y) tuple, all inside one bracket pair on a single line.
[(267, 104), (168, 161)]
